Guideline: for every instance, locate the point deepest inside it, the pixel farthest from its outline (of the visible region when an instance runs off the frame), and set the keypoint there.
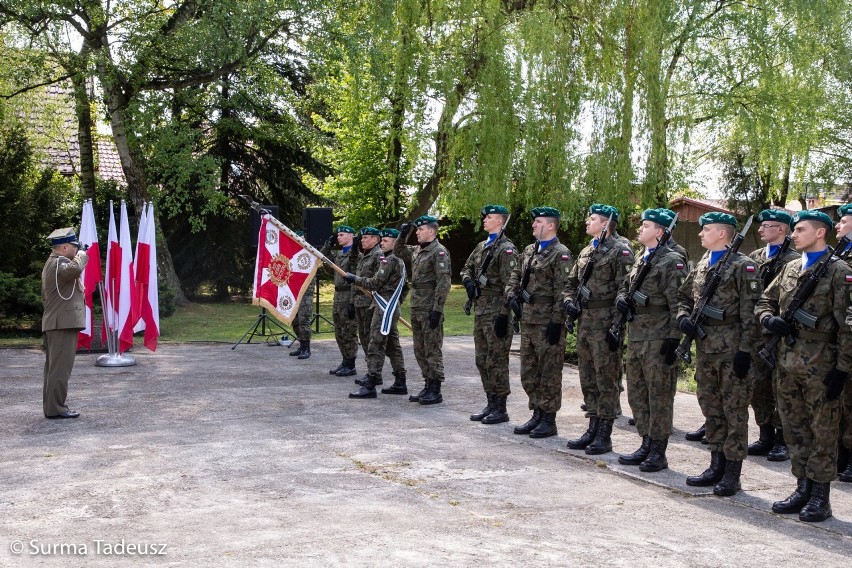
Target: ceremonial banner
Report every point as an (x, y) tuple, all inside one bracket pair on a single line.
[(390, 305), (128, 310), (283, 271), (109, 302), (145, 268), (92, 272)]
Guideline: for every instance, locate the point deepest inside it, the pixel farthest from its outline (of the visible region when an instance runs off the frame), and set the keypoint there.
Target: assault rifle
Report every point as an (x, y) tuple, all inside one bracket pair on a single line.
[(702, 309), (481, 279), (521, 294), (770, 270), (794, 311), (583, 292), (634, 296)]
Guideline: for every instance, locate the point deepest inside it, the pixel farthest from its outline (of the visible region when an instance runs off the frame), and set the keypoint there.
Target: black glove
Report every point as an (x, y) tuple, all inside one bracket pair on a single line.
[(434, 319), (776, 324), (501, 325), (834, 381), (668, 350), (572, 309), (516, 305), (349, 277), (742, 363), (356, 242), (329, 243), (685, 325), (404, 229), (350, 311), (470, 287), (553, 333), (622, 305)]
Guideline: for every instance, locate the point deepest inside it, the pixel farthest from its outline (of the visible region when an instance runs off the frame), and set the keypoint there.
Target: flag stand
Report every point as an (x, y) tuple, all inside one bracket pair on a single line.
[(113, 358), (315, 321), (262, 321)]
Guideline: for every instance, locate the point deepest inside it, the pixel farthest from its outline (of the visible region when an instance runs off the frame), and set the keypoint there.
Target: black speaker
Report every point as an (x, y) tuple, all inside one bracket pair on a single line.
[(318, 223), (255, 222)]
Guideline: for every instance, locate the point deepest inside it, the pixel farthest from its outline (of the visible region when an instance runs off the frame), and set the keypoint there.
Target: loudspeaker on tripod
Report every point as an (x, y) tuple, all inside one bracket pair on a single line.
[(318, 224)]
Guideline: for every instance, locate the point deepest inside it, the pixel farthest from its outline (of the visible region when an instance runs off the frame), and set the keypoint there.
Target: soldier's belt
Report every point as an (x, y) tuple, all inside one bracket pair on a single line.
[(347, 288), (593, 304), (485, 292), (821, 336), (716, 323), (423, 285), (650, 309), (541, 300)]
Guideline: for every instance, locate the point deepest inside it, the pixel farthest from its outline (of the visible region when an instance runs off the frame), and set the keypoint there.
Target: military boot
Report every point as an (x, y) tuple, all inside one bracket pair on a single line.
[(375, 379), (530, 424), (587, 438), (367, 390), (433, 393), (603, 439), (656, 460), (797, 499), (712, 475), (296, 351), (422, 393), (499, 414), (546, 426), (846, 474), (764, 443), (336, 369), (485, 411), (779, 451), (639, 455), (730, 482), (696, 436), (347, 369), (398, 386), (818, 508), (305, 351)]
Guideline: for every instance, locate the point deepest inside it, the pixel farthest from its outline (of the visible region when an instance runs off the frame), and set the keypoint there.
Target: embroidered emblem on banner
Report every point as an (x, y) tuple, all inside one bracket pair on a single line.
[(279, 269), (271, 236)]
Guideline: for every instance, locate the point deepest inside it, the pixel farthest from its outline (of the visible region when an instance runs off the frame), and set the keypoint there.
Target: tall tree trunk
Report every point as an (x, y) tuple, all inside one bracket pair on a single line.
[(623, 158), (83, 110), (785, 180)]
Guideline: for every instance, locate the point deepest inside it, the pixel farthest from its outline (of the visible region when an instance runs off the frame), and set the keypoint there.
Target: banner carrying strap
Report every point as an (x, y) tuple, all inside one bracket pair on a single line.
[(389, 306)]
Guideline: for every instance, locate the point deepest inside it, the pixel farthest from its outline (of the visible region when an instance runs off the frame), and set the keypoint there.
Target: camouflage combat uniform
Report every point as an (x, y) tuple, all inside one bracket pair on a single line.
[(345, 329), (600, 368), (541, 363), (810, 422), (366, 267), (492, 352), (651, 385), (302, 321), (724, 397)]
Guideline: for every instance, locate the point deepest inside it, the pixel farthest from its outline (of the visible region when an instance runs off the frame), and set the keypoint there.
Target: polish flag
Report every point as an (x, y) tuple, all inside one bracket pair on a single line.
[(145, 264), (113, 260), (92, 272), (125, 286)]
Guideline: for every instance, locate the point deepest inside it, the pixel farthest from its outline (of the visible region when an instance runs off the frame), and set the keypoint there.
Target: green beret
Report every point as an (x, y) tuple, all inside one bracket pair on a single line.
[(545, 212), (299, 233), (604, 210), (370, 231), (499, 209), (668, 212), (424, 220), (774, 215), (62, 236), (812, 215), (717, 217), (844, 210), (392, 233), (345, 229), (658, 216)]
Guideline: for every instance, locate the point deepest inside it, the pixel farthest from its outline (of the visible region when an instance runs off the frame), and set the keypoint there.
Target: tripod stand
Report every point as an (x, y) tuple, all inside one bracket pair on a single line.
[(261, 322), (315, 320)]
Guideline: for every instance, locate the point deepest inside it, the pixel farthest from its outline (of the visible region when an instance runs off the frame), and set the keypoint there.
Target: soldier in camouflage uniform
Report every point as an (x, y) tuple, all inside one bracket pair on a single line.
[(367, 264), (388, 282), (535, 288), (724, 357), (594, 309), (774, 226), (492, 334), (814, 369), (302, 321), (345, 327), (843, 228), (652, 341), (430, 279)]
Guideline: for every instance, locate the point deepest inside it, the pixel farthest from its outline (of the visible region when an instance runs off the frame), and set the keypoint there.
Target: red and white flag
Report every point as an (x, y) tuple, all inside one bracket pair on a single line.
[(92, 272), (113, 260), (128, 311), (283, 271), (145, 265)]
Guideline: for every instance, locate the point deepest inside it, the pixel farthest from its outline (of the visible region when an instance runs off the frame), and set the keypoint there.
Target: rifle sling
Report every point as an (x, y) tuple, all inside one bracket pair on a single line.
[(651, 309), (716, 323)]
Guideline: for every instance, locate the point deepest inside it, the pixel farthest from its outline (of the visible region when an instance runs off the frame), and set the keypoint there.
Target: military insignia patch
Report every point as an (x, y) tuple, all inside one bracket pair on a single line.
[(753, 286), (625, 252), (565, 257), (510, 251), (441, 253), (750, 268), (679, 266), (384, 260), (849, 278)]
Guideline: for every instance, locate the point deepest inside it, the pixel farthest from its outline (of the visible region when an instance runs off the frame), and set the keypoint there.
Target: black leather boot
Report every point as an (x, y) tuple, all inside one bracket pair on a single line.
[(376, 380), (846, 474), (603, 439), (730, 482), (656, 460), (546, 426), (367, 390), (423, 391), (305, 351), (347, 369), (779, 451), (530, 424), (296, 351), (696, 436), (797, 499), (818, 508), (588, 436), (485, 411), (639, 455), (764, 443), (433, 394), (712, 475), (398, 386), (499, 414), (336, 369)]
